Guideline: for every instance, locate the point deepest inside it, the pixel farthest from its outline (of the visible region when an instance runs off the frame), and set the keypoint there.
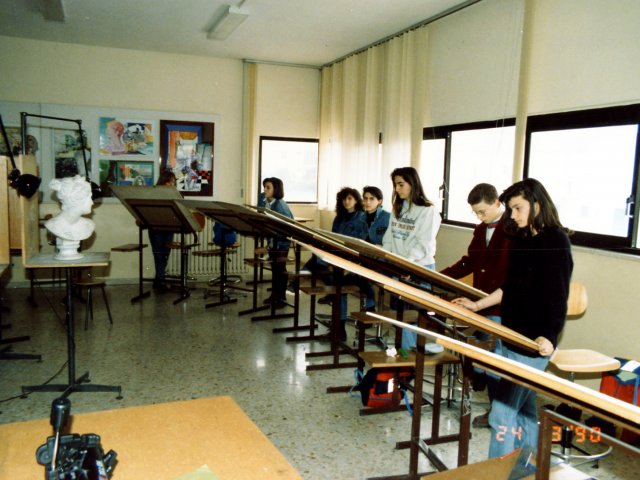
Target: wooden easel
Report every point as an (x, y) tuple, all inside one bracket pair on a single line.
[(159, 208), (11, 230)]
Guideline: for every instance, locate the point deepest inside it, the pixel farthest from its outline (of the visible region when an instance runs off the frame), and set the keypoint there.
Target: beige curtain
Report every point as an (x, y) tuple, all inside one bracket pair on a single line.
[(249, 127), (382, 91)]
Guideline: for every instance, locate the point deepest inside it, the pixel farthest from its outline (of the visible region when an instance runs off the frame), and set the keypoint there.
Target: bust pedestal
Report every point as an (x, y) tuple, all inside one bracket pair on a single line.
[(67, 249)]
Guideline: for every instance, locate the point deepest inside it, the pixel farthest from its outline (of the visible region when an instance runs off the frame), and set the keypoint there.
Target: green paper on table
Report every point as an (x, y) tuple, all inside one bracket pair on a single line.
[(202, 473)]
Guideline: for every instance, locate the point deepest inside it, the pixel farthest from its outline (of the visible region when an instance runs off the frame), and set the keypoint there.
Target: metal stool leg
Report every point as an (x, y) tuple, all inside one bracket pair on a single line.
[(106, 304), (89, 309)]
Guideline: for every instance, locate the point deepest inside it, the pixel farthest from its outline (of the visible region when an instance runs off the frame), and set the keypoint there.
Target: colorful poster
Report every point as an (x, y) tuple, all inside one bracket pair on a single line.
[(125, 172), (125, 137), (186, 148)]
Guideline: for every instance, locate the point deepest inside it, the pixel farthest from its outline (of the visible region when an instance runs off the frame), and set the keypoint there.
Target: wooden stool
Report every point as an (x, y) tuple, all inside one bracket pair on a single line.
[(379, 359), (90, 283)]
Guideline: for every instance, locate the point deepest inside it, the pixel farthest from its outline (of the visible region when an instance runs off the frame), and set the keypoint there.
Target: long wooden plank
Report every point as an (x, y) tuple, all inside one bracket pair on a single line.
[(425, 299), (376, 253), (618, 411)]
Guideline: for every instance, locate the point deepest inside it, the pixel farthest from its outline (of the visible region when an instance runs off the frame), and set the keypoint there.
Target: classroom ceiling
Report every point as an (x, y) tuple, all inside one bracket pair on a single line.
[(304, 32)]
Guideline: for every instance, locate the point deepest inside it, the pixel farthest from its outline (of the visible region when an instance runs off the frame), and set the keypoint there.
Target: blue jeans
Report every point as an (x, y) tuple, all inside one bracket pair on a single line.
[(409, 338), (492, 379), (159, 240), (365, 286), (514, 416)]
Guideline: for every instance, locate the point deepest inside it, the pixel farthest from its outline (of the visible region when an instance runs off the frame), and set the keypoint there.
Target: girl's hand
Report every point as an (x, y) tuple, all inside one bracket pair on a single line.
[(466, 303), (545, 347)]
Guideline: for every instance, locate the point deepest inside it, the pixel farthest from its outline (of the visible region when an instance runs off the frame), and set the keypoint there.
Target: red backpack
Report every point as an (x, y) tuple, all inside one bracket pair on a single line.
[(376, 387)]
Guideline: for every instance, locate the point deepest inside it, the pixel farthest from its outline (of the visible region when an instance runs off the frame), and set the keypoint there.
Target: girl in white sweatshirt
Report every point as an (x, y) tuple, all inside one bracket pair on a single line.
[(413, 227), (415, 221)]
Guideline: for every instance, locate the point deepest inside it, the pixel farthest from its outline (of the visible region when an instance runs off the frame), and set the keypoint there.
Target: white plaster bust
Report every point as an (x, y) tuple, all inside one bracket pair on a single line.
[(74, 194)]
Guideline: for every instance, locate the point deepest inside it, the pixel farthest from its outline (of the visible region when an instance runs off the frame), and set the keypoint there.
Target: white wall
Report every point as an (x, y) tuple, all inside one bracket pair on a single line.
[(287, 105)]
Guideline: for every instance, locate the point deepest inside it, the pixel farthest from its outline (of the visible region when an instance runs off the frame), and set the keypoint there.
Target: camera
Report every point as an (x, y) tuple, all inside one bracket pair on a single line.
[(73, 456)]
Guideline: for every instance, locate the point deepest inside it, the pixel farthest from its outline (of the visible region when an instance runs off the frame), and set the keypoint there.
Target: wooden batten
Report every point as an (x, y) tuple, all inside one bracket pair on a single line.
[(24, 230), (5, 257)]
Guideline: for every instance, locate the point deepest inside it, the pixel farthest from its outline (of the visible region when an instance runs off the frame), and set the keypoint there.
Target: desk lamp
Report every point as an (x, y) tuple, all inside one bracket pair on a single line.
[(96, 193), (27, 184)]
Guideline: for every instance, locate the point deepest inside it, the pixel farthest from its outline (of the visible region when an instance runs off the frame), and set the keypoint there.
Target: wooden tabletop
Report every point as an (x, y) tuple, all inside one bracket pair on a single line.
[(379, 359), (409, 316), (499, 468), (159, 442)]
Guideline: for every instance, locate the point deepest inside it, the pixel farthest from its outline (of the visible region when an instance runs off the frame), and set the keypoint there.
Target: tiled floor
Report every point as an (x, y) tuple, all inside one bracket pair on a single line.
[(160, 352)]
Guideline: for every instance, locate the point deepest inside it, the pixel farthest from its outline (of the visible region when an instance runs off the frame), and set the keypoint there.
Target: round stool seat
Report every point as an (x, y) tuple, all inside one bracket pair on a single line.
[(584, 361)]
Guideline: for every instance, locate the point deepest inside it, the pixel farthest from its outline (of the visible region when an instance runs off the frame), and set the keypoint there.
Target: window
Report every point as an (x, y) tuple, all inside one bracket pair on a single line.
[(295, 162), (588, 161), (466, 155)]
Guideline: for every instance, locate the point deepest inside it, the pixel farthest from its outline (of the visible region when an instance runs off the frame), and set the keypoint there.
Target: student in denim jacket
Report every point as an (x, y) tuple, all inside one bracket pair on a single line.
[(377, 223), (377, 219), (278, 245), (350, 218), (350, 221)]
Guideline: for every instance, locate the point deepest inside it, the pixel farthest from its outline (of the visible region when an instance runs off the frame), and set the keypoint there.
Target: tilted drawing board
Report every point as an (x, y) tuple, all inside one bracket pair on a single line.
[(242, 220), (376, 256), (300, 232), (620, 412), (427, 300), (157, 207)]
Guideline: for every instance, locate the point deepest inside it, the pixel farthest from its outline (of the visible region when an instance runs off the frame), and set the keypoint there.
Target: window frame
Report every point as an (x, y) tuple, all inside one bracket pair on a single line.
[(288, 139), (445, 132), (593, 118)]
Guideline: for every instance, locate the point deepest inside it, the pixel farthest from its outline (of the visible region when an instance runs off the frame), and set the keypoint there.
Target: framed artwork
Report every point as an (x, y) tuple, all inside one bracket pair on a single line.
[(186, 148), (15, 139), (125, 137), (125, 172), (67, 153)]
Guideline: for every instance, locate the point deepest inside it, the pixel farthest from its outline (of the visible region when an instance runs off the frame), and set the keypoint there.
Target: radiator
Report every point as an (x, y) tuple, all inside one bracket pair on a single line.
[(206, 266)]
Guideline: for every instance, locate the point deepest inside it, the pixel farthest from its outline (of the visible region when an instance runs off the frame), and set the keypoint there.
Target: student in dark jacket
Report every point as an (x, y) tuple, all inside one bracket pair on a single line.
[(487, 259), (160, 239)]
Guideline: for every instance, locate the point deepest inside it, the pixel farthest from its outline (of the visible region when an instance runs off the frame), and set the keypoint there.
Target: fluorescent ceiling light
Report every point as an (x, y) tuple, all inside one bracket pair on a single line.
[(227, 23)]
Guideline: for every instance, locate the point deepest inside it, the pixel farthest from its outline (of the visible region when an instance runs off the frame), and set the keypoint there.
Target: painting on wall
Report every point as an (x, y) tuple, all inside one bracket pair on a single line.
[(186, 148), (124, 172), (67, 153), (14, 135), (125, 137)]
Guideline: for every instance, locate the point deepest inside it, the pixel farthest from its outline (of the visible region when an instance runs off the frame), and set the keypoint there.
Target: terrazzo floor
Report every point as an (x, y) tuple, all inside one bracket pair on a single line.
[(161, 352)]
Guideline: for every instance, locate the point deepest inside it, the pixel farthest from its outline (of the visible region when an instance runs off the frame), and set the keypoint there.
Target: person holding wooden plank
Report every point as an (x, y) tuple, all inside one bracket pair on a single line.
[(487, 259), (533, 300)]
